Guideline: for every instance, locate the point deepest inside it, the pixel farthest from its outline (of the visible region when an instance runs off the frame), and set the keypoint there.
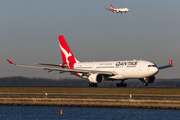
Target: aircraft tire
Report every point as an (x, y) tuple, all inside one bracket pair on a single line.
[(121, 85), (117, 85), (89, 85), (125, 85), (145, 84), (92, 84), (95, 85)]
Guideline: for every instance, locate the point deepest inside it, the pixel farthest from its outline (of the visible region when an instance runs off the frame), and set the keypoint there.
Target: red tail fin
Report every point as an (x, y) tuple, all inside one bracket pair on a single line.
[(9, 61), (66, 53), (111, 7)]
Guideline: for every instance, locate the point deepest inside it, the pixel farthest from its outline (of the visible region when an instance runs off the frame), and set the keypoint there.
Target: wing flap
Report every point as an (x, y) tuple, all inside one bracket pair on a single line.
[(80, 71), (60, 65)]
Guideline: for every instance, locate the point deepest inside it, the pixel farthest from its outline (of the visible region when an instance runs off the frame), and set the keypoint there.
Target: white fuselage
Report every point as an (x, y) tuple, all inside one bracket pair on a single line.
[(121, 10), (128, 69)]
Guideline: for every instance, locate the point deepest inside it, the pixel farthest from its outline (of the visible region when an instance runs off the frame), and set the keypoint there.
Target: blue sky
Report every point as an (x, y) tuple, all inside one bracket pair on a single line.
[(29, 31)]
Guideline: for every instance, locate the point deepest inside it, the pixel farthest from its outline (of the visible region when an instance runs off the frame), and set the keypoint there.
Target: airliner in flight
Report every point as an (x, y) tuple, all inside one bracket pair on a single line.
[(97, 72), (117, 10)]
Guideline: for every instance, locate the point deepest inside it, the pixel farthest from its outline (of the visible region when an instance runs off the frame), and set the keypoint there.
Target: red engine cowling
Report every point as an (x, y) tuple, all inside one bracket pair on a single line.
[(96, 78)]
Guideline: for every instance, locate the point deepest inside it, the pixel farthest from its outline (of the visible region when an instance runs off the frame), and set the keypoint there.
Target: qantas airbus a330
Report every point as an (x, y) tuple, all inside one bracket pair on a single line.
[(117, 10), (97, 72)]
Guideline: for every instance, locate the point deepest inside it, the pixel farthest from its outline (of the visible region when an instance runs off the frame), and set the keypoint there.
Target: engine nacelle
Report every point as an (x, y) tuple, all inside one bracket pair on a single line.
[(96, 78), (148, 80), (151, 79)]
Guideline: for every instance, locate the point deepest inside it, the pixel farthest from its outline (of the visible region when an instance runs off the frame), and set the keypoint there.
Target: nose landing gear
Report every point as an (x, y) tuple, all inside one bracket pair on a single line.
[(145, 84), (146, 81)]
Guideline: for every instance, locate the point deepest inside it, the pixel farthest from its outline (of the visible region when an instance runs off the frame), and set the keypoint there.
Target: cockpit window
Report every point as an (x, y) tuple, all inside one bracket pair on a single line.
[(151, 65)]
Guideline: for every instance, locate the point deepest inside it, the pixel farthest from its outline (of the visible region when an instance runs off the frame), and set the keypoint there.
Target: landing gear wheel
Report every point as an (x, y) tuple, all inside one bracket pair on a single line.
[(121, 85), (95, 85), (125, 84), (117, 85), (145, 84), (92, 85), (89, 85)]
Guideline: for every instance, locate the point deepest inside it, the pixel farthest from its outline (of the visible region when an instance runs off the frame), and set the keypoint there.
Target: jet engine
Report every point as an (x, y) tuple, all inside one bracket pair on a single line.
[(150, 79), (96, 78)]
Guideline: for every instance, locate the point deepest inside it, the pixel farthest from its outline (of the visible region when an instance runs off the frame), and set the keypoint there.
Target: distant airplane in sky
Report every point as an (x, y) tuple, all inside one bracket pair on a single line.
[(97, 72), (117, 10)]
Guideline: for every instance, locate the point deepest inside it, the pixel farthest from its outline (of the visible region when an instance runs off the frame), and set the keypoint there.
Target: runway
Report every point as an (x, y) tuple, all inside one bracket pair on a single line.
[(153, 98), (92, 96), (92, 100)]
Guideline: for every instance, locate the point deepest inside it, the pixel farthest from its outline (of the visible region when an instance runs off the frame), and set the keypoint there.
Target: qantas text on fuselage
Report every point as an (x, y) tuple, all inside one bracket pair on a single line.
[(97, 72)]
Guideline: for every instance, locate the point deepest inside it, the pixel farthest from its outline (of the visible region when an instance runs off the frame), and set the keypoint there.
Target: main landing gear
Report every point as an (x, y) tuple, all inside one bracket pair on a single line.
[(121, 84), (92, 84)]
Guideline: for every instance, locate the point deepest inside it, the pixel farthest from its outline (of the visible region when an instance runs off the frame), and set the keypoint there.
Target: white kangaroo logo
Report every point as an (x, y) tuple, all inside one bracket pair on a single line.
[(67, 55)]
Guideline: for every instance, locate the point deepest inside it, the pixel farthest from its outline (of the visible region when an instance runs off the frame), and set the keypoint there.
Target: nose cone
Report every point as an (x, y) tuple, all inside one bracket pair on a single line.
[(155, 70)]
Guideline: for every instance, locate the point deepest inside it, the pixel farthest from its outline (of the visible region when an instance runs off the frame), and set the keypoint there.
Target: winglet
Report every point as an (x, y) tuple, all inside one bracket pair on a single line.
[(170, 62), (9, 61)]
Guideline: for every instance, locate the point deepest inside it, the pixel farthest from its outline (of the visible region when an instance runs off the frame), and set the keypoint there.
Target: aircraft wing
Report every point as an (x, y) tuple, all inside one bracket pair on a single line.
[(166, 66), (108, 9), (62, 70)]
